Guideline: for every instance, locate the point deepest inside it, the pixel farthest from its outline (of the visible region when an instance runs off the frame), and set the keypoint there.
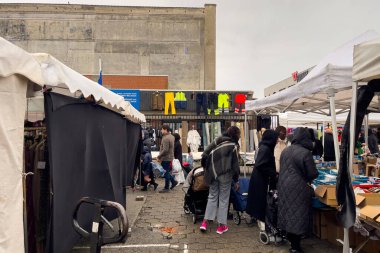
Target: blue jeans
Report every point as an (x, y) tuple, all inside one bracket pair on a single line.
[(168, 177)]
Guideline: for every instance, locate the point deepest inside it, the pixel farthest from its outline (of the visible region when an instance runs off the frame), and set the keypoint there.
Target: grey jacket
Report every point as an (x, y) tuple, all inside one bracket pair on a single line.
[(221, 160), (167, 148)]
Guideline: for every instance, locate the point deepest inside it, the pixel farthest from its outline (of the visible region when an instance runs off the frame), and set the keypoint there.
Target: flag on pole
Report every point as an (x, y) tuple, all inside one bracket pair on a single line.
[(100, 80)]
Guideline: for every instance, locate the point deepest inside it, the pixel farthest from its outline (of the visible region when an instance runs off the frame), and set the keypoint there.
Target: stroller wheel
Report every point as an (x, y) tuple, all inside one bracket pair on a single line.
[(264, 238), (237, 218), (194, 218)]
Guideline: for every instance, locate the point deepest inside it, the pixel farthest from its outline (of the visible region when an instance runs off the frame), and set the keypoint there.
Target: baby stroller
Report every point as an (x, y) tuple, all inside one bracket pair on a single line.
[(271, 233), (196, 196), (239, 199)]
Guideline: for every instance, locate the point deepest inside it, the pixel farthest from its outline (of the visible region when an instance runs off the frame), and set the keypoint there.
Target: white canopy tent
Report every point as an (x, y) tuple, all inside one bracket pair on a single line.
[(296, 119), (328, 86), (332, 76), (21, 74)]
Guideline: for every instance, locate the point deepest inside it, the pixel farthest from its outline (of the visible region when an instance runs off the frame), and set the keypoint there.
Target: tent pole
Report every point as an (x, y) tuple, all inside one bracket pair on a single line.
[(335, 129), (323, 135), (346, 240), (245, 143), (366, 128)]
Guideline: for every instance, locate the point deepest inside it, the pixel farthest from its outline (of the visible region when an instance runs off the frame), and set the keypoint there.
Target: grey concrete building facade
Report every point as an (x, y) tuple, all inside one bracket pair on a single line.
[(178, 42)]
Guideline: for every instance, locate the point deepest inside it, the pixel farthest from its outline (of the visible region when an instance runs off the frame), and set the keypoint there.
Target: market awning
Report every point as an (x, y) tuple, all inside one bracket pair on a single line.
[(333, 75), (44, 69), (366, 64)]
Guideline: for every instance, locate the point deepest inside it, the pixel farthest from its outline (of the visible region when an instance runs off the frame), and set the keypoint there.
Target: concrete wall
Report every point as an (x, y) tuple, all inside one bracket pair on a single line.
[(178, 42)]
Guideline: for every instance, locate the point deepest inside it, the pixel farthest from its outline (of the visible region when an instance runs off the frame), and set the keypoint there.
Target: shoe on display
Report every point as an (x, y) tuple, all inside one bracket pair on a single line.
[(221, 229)]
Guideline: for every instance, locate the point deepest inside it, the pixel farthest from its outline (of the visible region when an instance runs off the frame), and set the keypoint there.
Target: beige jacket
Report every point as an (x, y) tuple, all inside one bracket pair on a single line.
[(280, 146), (167, 148)]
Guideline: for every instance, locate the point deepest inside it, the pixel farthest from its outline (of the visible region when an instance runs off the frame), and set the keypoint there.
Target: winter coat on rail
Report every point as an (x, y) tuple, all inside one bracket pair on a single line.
[(294, 191), (264, 174), (221, 160)]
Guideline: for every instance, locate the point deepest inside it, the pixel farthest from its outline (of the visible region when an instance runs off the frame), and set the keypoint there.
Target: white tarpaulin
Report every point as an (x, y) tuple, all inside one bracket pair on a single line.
[(44, 69), (366, 61), (294, 119), (18, 69), (12, 106), (332, 74)]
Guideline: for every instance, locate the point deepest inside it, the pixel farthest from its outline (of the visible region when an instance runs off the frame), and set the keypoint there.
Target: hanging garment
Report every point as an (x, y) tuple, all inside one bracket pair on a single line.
[(204, 136), (240, 103), (193, 140), (208, 139), (157, 101), (169, 100), (180, 100), (212, 100), (185, 130), (201, 103), (223, 103)]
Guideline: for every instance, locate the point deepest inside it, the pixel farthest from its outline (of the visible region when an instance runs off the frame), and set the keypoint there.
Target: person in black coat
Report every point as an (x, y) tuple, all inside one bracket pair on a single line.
[(294, 190), (328, 144), (178, 148), (317, 144), (264, 173), (372, 142)]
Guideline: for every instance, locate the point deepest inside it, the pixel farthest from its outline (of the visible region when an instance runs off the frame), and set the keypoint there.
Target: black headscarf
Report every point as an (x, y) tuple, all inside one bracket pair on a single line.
[(269, 138), (303, 138)]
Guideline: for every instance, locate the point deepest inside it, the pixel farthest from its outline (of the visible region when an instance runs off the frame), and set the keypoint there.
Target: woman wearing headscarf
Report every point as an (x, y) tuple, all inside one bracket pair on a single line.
[(294, 190), (263, 176)]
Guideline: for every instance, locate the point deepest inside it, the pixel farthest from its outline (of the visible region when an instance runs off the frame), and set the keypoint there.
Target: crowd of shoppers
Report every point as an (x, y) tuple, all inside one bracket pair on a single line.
[(286, 167)]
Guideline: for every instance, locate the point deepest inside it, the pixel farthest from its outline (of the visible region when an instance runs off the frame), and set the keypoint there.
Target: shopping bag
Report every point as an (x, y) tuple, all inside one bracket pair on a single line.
[(176, 166), (158, 170), (180, 177)]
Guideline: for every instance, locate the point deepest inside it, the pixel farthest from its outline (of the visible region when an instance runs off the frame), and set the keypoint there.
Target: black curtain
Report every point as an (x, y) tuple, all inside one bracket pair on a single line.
[(344, 192), (92, 153)]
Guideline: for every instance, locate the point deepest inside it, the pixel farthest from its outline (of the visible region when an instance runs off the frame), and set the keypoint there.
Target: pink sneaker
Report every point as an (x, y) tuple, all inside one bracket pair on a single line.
[(222, 229), (203, 227)]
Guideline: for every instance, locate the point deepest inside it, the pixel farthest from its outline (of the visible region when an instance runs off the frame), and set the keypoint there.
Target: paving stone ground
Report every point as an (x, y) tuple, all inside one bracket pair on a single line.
[(164, 211)]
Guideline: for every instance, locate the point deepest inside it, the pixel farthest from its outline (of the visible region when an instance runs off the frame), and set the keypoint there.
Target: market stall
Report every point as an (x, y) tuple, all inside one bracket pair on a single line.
[(80, 132), (327, 90)]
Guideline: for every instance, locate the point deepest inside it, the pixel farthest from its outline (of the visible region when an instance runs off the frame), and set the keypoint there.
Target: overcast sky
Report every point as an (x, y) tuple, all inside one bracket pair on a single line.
[(261, 42)]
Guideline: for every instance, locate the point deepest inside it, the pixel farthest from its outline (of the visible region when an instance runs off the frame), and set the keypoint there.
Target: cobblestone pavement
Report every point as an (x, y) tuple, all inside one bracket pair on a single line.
[(163, 212)]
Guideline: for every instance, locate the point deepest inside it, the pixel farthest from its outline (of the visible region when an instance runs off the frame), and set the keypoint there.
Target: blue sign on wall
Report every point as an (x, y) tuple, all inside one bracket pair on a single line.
[(132, 96)]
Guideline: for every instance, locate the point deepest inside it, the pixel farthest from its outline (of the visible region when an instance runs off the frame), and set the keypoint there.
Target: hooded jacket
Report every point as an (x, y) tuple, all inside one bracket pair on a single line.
[(221, 160), (294, 191), (147, 161), (264, 173)]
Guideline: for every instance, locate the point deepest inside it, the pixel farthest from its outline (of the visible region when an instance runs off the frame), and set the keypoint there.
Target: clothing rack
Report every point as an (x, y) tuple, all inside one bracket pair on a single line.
[(199, 117), (34, 128)]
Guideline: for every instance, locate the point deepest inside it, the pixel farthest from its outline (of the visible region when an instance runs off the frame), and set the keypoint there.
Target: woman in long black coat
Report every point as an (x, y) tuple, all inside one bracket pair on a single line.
[(294, 191), (264, 173)]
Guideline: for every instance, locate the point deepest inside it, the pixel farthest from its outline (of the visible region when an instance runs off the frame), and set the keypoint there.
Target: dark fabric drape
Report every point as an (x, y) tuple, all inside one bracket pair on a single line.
[(344, 191), (91, 151)]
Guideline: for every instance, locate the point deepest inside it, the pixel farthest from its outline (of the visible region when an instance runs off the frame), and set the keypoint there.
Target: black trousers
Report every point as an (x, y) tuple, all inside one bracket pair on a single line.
[(295, 241)]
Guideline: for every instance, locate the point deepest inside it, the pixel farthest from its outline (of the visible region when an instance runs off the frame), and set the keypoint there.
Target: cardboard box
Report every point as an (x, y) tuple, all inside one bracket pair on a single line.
[(358, 169), (322, 220), (364, 199), (371, 159), (326, 194), (370, 212), (372, 170)]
